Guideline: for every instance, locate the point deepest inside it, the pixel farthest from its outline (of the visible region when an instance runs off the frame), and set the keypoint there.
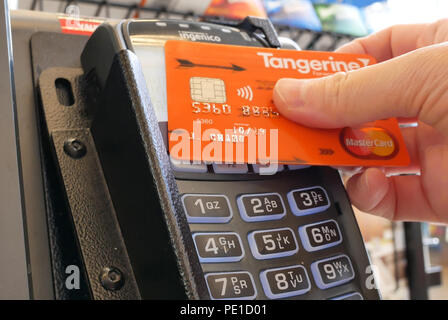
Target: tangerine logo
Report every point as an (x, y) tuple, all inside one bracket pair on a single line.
[(369, 143)]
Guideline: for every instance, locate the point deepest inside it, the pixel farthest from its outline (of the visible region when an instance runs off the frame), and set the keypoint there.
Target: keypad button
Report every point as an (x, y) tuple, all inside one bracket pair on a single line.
[(231, 285), (268, 169), (182, 166), (308, 200), (285, 282), (333, 271), (320, 235), (207, 208), (349, 296), (230, 168), (218, 247), (274, 243), (261, 207)]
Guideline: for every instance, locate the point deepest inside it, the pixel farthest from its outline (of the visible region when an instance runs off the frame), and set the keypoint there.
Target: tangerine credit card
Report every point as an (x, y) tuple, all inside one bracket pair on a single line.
[(220, 109)]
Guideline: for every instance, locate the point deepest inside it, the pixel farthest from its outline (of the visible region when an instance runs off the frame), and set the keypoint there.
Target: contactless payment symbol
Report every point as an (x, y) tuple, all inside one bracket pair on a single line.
[(207, 90), (245, 93), (369, 143)]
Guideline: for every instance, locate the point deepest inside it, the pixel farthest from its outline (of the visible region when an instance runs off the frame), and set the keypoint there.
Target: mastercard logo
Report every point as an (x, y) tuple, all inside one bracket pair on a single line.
[(369, 143)]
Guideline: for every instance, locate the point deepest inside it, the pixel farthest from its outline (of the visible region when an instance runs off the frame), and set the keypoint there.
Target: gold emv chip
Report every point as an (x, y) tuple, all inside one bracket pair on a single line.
[(207, 90)]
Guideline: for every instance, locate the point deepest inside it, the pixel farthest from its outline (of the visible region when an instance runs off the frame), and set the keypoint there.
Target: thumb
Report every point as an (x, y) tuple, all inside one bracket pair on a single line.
[(411, 85)]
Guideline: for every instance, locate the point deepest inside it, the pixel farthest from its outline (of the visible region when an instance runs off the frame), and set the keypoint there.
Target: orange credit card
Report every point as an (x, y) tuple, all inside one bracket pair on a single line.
[(220, 109)]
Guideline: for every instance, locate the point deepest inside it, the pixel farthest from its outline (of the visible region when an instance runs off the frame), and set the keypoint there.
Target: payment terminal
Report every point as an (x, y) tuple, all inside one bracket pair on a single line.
[(209, 231)]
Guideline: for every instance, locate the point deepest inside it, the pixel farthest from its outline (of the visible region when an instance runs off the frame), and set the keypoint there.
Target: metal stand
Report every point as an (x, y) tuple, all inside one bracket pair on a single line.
[(420, 275)]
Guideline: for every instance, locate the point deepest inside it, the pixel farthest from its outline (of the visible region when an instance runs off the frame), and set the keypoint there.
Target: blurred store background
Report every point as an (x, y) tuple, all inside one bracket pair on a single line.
[(319, 25)]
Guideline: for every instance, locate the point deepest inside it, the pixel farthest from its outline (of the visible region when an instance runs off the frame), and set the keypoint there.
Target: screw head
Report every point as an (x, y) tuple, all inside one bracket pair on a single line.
[(111, 278), (75, 148)]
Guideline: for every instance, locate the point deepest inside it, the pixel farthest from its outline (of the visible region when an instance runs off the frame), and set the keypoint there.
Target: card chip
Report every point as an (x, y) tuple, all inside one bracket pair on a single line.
[(207, 90)]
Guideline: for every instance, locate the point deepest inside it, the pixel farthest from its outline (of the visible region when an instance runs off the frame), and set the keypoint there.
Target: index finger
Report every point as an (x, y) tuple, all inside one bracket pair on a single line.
[(398, 40)]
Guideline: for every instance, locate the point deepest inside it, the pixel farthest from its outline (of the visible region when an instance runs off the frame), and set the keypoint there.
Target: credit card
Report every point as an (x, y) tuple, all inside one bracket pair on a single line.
[(220, 109)]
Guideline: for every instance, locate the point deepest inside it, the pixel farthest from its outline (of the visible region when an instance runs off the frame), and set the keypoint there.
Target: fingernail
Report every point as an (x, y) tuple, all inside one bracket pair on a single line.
[(288, 93)]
